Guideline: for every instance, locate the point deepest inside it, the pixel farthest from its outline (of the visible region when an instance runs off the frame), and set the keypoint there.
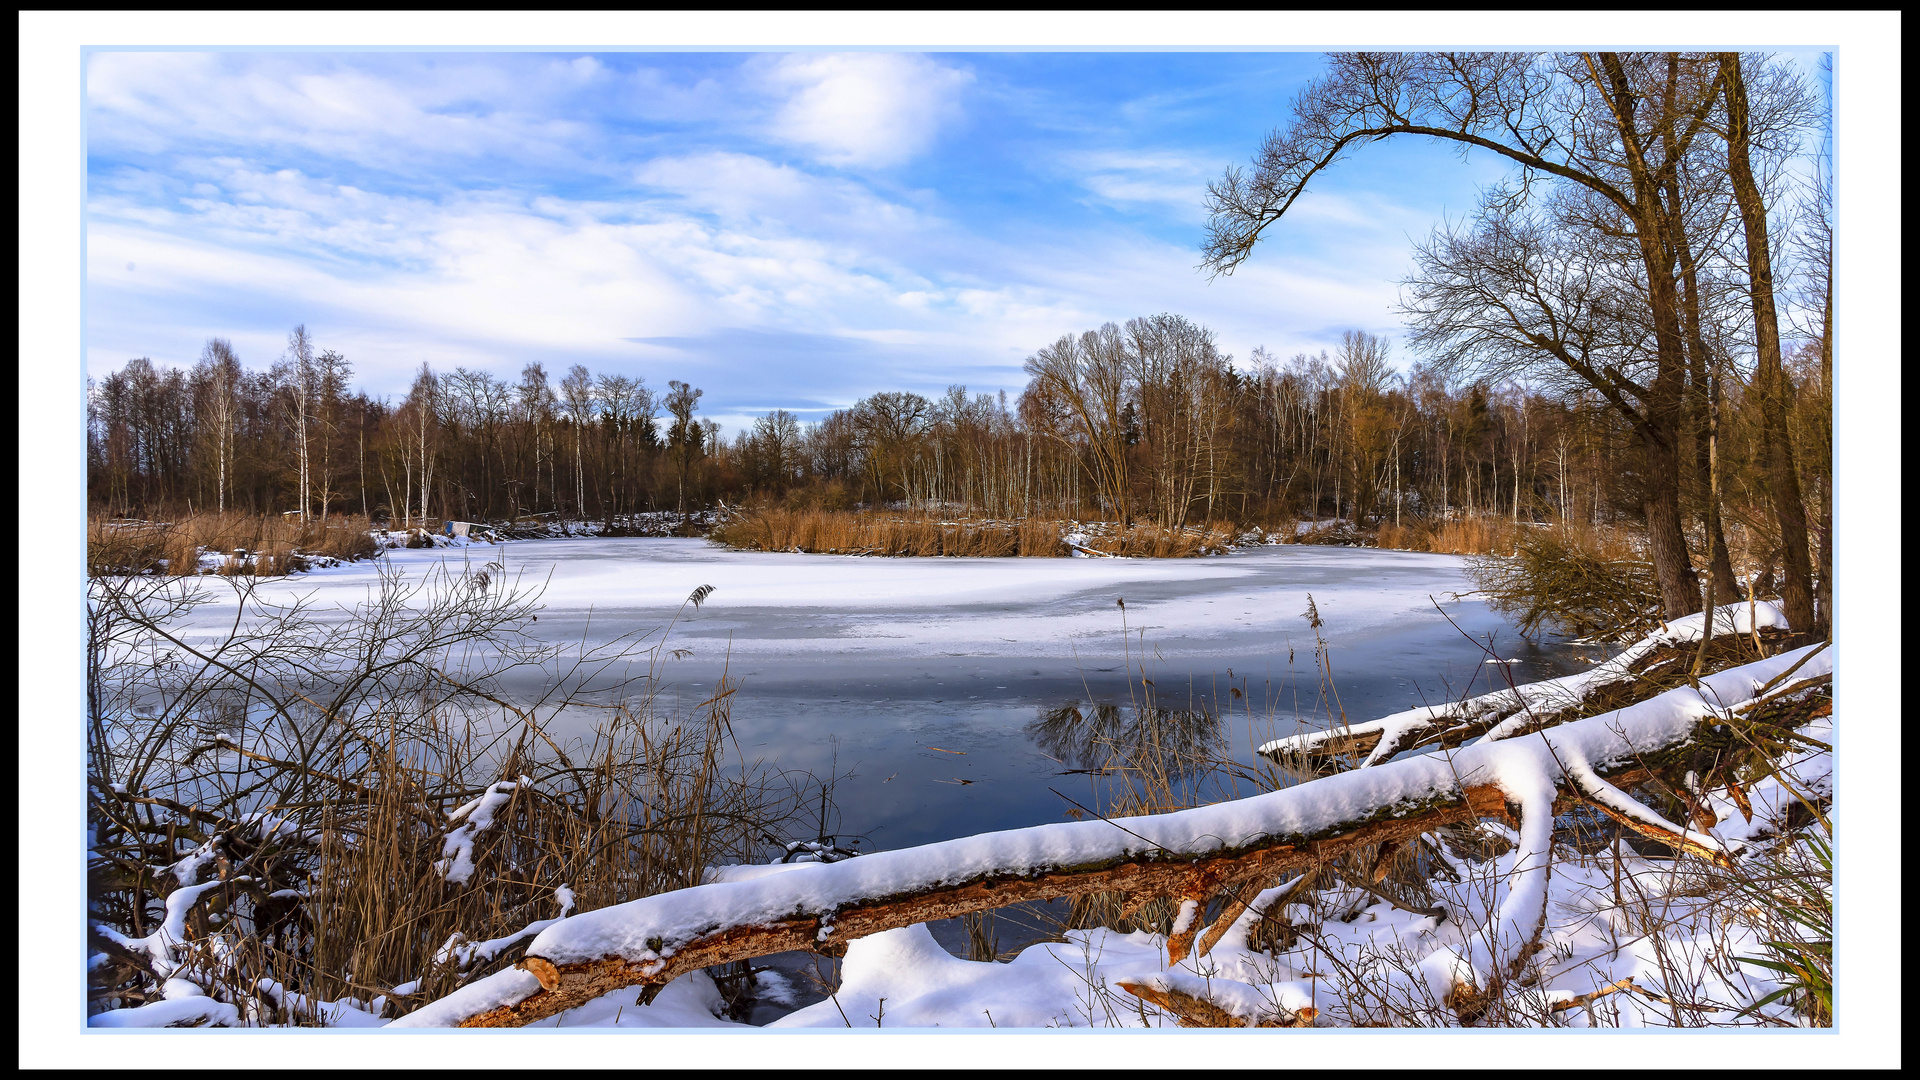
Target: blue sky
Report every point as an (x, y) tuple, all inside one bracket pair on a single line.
[(784, 230)]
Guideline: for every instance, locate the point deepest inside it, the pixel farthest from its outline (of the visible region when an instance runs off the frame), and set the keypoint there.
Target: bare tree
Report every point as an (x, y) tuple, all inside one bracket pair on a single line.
[(424, 403), (1613, 124), (576, 395), (1783, 479), (684, 438), (300, 377), (223, 374), (1087, 377), (889, 425)]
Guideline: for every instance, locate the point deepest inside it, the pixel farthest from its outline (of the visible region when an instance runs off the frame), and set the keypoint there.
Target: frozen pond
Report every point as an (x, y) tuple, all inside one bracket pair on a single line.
[(939, 682)]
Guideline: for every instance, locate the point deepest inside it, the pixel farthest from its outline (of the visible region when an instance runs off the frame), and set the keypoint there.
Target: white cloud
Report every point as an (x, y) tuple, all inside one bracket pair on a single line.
[(1171, 180), (386, 116), (863, 108)]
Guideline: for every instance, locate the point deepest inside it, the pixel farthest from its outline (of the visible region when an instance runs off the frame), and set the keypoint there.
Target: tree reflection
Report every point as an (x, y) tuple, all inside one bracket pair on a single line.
[(1142, 742)]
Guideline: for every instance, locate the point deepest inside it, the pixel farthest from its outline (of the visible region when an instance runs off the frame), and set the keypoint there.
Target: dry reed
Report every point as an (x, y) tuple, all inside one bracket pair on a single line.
[(245, 544), (325, 794), (830, 532)]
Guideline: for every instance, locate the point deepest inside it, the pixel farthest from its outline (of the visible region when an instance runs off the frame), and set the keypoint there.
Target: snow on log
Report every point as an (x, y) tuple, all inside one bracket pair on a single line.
[(1452, 723), (1186, 855)]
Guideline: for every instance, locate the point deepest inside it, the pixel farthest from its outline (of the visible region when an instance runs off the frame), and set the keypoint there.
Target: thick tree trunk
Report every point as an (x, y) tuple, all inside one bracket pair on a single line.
[(1664, 405), (1783, 481), (1823, 587), (1666, 540)]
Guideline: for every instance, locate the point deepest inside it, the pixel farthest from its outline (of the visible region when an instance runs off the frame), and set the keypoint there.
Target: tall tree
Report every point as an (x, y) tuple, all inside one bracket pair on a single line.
[(1783, 479), (301, 378), (1087, 377), (222, 376), (576, 396), (685, 440), (331, 372)]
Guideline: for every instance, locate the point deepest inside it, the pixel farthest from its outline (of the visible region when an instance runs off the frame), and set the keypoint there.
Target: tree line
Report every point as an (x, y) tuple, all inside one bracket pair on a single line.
[(1145, 421)]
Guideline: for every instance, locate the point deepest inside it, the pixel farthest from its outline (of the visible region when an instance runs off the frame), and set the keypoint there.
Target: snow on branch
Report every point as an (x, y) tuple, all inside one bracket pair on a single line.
[(469, 821), (1509, 709)]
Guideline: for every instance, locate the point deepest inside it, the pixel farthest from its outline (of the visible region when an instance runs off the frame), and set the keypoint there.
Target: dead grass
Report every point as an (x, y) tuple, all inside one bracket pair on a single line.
[(253, 545), (838, 532), (1492, 534), (831, 532)]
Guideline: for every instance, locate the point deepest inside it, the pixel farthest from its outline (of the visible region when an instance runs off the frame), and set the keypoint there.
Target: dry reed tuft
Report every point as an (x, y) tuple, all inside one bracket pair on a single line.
[(245, 544), (1475, 534), (833, 532), (830, 532)]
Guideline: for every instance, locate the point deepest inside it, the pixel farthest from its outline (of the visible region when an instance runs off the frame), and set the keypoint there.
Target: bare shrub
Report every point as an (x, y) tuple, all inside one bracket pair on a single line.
[(1572, 579)]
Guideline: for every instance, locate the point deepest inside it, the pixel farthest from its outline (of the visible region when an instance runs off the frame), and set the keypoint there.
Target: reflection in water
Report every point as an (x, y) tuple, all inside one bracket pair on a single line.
[(1145, 744)]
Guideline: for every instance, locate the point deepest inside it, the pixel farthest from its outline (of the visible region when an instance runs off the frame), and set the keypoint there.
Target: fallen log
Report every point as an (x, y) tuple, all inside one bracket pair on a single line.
[(1188, 854), (1512, 711)]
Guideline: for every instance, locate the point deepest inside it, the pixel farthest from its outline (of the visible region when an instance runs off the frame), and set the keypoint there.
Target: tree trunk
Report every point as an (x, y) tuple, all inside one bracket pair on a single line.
[(1783, 480), (1823, 589), (1702, 411)]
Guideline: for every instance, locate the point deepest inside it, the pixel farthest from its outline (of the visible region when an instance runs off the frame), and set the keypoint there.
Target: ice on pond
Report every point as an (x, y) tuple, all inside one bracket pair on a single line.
[(964, 694)]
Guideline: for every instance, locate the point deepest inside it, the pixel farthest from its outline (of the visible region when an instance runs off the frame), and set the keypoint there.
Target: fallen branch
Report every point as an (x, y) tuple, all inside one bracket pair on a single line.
[(1509, 711), (1590, 998), (1191, 1011)]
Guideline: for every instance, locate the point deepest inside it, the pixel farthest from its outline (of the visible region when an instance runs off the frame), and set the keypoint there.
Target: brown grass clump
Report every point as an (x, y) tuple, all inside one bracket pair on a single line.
[(269, 545), (122, 546), (831, 532), (1478, 534), (1155, 542), (1039, 539)]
